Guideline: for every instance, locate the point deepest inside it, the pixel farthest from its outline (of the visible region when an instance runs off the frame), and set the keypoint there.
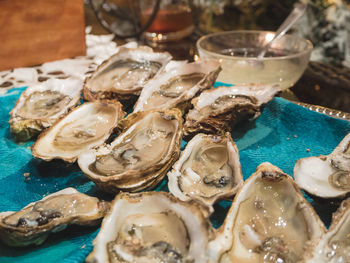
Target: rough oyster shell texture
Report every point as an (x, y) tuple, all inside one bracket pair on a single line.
[(124, 74), (41, 105), (140, 156), (87, 126), (152, 227), (217, 109), (334, 246), (326, 176), (53, 213), (269, 221), (177, 84), (207, 170)]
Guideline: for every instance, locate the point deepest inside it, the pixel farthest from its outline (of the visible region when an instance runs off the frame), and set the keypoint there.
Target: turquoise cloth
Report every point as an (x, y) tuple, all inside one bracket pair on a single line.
[(284, 133)]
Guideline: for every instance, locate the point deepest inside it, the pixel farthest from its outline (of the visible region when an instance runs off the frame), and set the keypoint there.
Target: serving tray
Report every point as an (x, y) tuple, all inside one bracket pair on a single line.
[(283, 133)]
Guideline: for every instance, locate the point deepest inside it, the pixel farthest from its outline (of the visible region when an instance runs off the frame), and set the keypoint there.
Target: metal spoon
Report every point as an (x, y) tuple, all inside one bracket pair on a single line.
[(297, 12)]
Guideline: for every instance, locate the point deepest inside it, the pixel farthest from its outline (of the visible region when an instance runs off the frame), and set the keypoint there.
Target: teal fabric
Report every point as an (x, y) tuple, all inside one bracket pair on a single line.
[(284, 133)]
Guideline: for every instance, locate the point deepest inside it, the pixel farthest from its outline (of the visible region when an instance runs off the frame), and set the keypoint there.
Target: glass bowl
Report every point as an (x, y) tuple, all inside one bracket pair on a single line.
[(283, 64)]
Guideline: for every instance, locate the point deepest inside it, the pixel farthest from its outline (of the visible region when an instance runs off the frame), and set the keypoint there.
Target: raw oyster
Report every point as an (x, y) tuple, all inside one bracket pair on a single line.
[(140, 156), (87, 126), (334, 247), (42, 105), (124, 74), (152, 227), (208, 169), (53, 213), (269, 221), (326, 176), (217, 109), (177, 85)]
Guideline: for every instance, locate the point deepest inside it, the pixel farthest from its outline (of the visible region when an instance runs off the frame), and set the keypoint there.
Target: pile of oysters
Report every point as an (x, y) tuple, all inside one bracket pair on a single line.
[(124, 154)]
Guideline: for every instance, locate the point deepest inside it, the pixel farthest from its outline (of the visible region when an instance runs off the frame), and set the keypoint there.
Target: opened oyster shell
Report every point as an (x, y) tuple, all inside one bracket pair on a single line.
[(87, 126), (177, 85), (152, 227), (326, 176), (269, 221), (124, 74), (53, 213), (217, 109), (334, 247), (41, 105), (208, 169), (140, 156)]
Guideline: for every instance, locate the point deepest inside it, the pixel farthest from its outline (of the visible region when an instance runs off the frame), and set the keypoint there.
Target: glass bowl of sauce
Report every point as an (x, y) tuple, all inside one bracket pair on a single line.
[(283, 64)]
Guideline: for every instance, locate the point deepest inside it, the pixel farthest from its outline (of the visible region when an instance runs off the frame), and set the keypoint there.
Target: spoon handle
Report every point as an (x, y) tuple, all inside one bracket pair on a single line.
[(296, 13)]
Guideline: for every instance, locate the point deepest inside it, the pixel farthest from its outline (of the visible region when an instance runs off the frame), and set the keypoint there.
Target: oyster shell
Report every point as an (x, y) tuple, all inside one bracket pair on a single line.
[(87, 126), (208, 169), (269, 221), (326, 176), (334, 247), (53, 213), (140, 156), (217, 109), (152, 227), (124, 74), (41, 105), (177, 85)]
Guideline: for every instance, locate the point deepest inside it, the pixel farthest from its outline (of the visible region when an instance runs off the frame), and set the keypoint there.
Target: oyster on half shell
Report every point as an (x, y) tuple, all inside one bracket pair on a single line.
[(152, 227), (33, 223), (269, 221), (217, 109), (41, 105), (87, 126), (177, 85), (140, 156), (326, 176), (334, 247), (208, 169), (124, 74)]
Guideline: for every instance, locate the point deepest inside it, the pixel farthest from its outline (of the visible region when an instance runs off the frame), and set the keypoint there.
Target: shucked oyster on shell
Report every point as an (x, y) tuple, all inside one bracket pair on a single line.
[(208, 169), (41, 105), (33, 223), (177, 85), (124, 74), (269, 221), (334, 247), (87, 126), (140, 156), (326, 176), (152, 227), (217, 109)]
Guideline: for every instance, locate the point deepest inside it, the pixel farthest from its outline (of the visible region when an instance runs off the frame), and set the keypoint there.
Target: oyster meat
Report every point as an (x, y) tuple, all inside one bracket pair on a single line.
[(87, 126), (140, 156), (124, 74), (218, 109), (208, 169), (326, 176), (53, 213), (177, 85), (334, 247), (269, 221), (41, 105), (152, 227)]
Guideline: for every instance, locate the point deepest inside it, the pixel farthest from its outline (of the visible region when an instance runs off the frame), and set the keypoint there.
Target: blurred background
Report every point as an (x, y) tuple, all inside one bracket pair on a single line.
[(326, 23)]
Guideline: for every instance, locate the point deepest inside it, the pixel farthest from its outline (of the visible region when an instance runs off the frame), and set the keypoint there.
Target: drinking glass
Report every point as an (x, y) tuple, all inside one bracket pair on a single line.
[(173, 20)]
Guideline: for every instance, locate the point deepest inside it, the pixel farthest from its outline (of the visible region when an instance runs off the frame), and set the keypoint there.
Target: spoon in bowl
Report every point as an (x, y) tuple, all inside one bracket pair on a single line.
[(297, 12)]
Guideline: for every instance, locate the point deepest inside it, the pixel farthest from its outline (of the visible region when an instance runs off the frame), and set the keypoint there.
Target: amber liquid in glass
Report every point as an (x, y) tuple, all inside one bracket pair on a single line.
[(171, 18)]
